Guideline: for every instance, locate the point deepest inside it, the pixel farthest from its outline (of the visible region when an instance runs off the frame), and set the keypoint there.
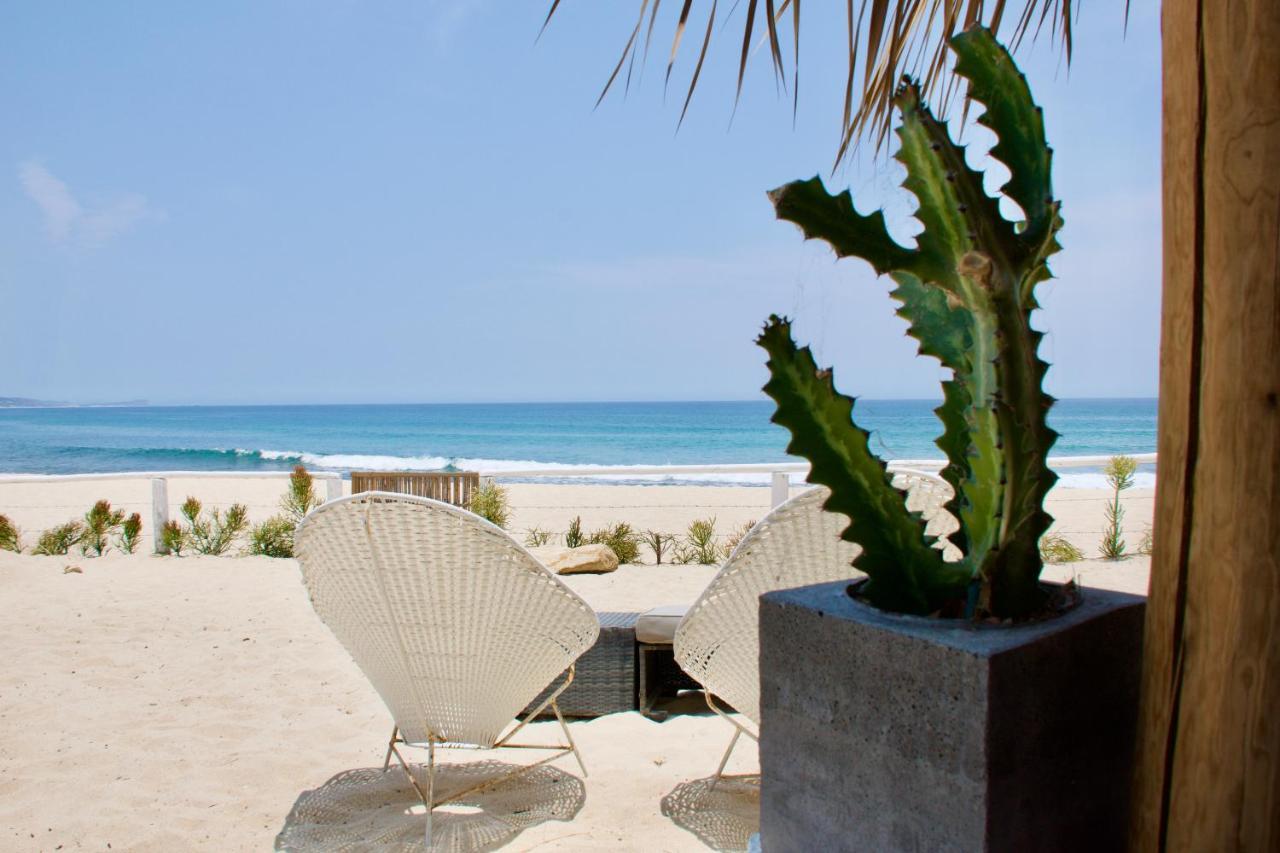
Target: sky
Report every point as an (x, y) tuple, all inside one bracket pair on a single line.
[(325, 202)]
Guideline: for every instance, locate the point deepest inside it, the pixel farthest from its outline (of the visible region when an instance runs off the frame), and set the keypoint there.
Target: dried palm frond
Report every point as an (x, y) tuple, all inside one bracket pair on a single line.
[(886, 39)]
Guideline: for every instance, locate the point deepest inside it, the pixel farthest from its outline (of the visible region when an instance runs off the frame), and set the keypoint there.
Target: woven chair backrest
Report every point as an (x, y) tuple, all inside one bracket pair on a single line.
[(456, 625), (797, 544)]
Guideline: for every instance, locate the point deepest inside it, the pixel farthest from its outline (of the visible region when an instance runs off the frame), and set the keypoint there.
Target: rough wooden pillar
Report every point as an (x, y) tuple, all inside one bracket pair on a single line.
[(1209, 753)]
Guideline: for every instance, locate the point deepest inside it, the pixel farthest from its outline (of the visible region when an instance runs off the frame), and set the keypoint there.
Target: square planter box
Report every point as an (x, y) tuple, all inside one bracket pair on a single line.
[(883, 732)]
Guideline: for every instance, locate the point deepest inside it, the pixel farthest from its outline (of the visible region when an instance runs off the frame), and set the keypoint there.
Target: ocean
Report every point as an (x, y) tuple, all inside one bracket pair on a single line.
[(488, 437)]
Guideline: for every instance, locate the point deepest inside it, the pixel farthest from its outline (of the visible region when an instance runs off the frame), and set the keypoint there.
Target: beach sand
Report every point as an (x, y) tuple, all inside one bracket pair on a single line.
[(160, 703)]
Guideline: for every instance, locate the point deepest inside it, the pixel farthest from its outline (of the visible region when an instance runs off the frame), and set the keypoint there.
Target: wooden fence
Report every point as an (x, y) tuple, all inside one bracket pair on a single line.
[(453, 487)]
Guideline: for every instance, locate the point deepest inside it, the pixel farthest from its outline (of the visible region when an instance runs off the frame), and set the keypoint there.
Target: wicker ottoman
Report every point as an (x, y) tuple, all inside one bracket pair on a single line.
[(604, 680)]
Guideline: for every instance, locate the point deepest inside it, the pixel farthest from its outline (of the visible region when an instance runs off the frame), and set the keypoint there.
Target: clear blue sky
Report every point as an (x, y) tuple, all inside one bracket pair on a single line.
[(256, 202)]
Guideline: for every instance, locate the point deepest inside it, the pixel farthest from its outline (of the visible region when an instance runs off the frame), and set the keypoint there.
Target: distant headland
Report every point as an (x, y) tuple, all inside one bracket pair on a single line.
[(29, 403)]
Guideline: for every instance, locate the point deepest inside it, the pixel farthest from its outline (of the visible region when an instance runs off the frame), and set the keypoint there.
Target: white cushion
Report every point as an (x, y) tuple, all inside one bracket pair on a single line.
[(658, 626)]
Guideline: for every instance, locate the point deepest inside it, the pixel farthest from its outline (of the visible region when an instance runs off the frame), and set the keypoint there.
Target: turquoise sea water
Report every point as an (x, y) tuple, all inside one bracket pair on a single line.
[(489, 436)]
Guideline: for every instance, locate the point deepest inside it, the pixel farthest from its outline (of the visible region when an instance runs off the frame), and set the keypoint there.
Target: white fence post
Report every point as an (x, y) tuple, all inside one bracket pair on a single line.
[(333, 488), (159, 511), (781, 488)]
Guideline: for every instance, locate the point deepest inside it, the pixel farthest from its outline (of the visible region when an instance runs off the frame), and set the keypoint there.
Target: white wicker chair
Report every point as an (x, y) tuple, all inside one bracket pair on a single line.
[(456, 625), (797, 544)]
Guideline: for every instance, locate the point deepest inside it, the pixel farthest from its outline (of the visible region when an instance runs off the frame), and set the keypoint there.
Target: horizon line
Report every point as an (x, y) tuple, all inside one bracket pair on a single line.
[(142, 404)]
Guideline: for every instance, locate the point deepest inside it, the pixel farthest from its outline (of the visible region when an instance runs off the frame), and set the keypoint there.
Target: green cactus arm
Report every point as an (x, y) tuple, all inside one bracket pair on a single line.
[(945, 332), (961, 223), (1014, 569), (934, 319), (997, 84), (1039, 270), (958, 215), (905, 573), (833, 219)]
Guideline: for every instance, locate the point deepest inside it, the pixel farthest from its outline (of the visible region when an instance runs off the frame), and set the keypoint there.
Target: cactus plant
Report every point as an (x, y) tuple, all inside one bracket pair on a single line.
[(967, 291)]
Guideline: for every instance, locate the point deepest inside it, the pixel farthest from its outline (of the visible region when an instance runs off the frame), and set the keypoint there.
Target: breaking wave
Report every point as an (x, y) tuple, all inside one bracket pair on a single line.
[(534, 471)]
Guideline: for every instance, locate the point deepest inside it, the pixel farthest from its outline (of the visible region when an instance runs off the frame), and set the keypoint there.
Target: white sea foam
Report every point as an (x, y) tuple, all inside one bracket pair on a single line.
[(281, 455), (1098, 480), (550, 471), (545, 471)]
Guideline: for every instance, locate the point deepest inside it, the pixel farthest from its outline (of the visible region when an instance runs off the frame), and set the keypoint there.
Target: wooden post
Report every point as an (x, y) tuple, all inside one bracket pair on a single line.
[(1209, 753), (780, 488), (159, 511)]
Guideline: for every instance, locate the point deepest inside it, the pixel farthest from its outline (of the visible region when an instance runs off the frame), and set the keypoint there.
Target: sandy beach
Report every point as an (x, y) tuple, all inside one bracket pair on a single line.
[(160, 703)]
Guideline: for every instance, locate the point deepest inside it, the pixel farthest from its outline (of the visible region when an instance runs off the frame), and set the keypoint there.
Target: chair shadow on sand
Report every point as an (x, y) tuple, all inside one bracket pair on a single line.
[(723, 817), (369, 809)]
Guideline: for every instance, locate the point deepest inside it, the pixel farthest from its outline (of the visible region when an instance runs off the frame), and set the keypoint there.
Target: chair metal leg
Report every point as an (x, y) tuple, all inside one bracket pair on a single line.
[(404, 765), (737, 733), (568, 737), (391, 744), (431, 786), (428, 796)]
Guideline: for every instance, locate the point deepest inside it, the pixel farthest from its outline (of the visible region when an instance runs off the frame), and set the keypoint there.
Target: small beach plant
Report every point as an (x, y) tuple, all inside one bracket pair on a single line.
[(573, 537), (10, 537), (699, 543), (59, 540), (213, 532), (130, 533), (536, 537), (301, 497), (173, 538), (273, 537), (659, 543), (966, 291), (100, 522), (1120, 472), (490, 503), (1147, 543), (224, 529), (620, 538), (735, 537), (1056, 549)]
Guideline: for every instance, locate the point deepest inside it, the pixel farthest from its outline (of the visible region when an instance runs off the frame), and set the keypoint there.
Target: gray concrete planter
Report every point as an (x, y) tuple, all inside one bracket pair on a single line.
[(882, 732)]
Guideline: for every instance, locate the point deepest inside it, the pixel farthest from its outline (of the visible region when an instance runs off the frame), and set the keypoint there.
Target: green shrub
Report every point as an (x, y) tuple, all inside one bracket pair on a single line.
[(490, 503), (173, 538), (699, 544), (1119, 471), (99, 523), (273, 537), (659, 543), (536, 537), (190, 509), (10, 537), (216, 532), (736, 536), (301, 497), (573, 537), (213, 532), (620, 538), (1056, 549), (60, 539), (130, 534)]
